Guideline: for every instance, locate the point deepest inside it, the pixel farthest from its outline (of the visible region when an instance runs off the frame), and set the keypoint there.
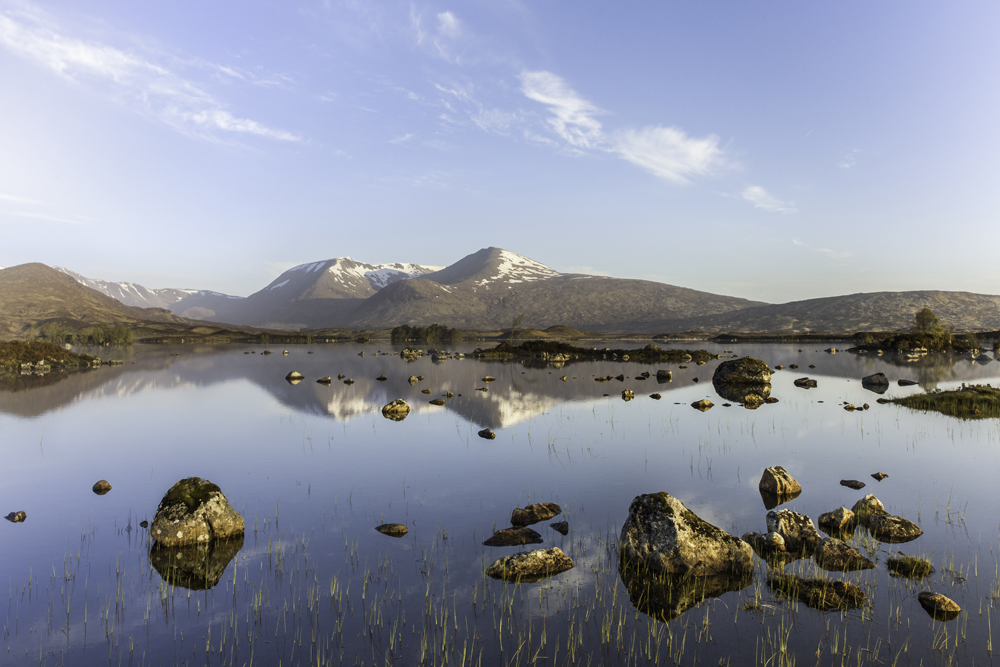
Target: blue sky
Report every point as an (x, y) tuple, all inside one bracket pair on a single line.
[(774, 151)]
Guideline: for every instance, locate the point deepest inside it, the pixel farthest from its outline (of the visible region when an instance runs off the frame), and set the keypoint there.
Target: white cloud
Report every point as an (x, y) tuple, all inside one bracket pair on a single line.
[(448, 25), (494, 120), (763, 200), (137, 81), (401, 139), (850, 159), (573, 118), (670, 153)]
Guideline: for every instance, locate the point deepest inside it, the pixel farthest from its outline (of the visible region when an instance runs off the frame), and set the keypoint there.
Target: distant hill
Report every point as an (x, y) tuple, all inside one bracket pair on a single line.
[(875, 311), (34, 294), (132, 294)]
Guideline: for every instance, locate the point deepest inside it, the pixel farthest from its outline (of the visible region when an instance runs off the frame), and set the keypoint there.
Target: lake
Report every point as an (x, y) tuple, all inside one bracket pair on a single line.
[(314, 468)]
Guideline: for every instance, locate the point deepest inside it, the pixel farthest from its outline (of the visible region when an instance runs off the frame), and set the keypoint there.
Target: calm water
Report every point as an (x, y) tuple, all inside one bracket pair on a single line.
[(314, 468)]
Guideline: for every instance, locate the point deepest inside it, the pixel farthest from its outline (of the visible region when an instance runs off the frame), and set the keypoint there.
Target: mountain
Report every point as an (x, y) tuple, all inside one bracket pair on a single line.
[(33, 294), (876, 311), (132, 294)]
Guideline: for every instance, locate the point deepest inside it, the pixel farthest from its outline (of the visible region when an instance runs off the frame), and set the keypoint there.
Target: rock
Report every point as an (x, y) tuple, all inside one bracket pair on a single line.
[(770, 400), (805, 383), (381, 378), (412, 379), (852, 484), (770, 547), (620, 378), (776, 480), (867, 507), (525, 516), (661, 535), (753, 401), (482, 389), (101, 487), (392, 529), (772, 500), (489, 378), (831, 350), (779, 367), (512, 537), (144, 524), (563, 378), (905, 383), (192, 511), (530, 566), (285, 352), (436, 401), (655, 397), (396, 411), (488, 434), (910, 567), (893, 529), (294, 377), (425, 391), (665, 596), (836, 556), (628, 395), (797, 529), (197, 567), (879, 476), (745, 370), (837, 522), (340, 376), (794, 367), (704, 405), (819, 594), (876, 382), (751, 396), (938, 606), (561, 527), (664, 376), (326, 380), (348, 382), (16, 517)]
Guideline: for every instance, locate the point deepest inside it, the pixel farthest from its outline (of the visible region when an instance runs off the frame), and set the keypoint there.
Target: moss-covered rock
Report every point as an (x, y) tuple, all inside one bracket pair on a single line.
[(745, 370), (194, 511), (530, 566)]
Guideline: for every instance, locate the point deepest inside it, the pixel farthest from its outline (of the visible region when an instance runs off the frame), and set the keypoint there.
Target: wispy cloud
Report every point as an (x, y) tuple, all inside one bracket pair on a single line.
[(136, 80), (45, 218), (670, 153), (830, 252), (850, 159), (573, 118), (765, 201), (448, 25), (666, 152), (16, 199), (440, 40), (402, 139)]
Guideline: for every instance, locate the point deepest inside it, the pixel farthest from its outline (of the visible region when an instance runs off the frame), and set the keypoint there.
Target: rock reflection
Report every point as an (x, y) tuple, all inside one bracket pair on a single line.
[(667, 596), (752, 396), (772, 500), (196, 567)]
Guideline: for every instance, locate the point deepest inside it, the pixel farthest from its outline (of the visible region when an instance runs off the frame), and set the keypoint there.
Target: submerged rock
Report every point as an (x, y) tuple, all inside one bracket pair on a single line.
[(910, 567), (325, 380), (852, 484), (525, 516), (561, 527), (197, 567), (905, 383), (392, 529), (834, 555), (436, 401), (817, 593), (663, 376), (530, 566), (396, 411), (704, 405), (628, 395), (879, 476), (938, 606), (662, 535), (488, 434), (893, 529), (295, 375), (805, 383), (17, 517), (513, 537), (797, 529), (193, 511), (776, 480), (101, 487)]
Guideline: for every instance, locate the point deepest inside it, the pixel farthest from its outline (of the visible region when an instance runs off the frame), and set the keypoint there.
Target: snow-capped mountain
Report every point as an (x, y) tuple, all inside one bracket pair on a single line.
[(132, 294)]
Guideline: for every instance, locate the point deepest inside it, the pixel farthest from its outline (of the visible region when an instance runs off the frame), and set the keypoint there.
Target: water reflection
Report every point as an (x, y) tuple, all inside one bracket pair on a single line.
[(197, 567), (667, 596)]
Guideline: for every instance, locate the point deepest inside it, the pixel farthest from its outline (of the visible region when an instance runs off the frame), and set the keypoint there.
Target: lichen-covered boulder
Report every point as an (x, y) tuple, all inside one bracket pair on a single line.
[(835, 555), (745, 370), (893, 529), (194, 511), (776, 480), (525, 516), (396, 411), (661, 535), (530, 566), (798, 531)]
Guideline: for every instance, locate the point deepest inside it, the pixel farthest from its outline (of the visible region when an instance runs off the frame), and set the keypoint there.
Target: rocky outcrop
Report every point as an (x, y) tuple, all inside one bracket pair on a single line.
[(798, 531), (661, 535), (530, 566), (526, 516), (836, 556), (194, 511), (776, 480)]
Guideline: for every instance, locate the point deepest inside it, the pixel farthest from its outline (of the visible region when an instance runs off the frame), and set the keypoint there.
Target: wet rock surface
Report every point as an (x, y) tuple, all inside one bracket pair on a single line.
[(837, 522), (662, 535), (526, 516), (193, 511), (852, 484), (530, 566), (513, 537)]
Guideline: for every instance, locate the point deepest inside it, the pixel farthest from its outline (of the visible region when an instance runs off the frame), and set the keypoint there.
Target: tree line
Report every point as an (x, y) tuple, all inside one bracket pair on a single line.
[(434, 333)]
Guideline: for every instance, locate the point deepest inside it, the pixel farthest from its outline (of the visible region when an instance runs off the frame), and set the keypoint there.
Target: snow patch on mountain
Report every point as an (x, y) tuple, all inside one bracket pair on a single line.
[(514, 268)]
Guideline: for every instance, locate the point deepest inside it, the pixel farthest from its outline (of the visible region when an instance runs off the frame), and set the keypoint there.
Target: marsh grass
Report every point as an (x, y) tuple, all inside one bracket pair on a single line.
[(972, 402)]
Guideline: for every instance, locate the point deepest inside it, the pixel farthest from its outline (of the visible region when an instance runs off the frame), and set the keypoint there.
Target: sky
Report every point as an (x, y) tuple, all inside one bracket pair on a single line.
[(774, 151)]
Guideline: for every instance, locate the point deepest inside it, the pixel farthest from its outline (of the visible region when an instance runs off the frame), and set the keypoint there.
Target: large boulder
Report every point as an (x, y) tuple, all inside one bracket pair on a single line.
[(530, 566), (876, 382), (777, 481), (745, 370), (798, 531), (194, 511), (661, 535), (197, 567)]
